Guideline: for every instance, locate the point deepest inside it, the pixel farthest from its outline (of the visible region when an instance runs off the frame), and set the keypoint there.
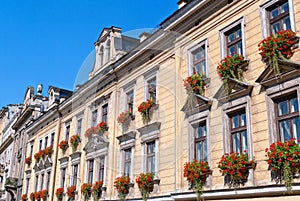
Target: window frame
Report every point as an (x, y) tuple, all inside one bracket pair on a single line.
[(200, 140), (191, 55), (67, 131), (149, 75), (127, 161), (150, 155), (75, 171), (104, 112), (223, 37), (101, 168), (265, 21), (63, 171), (90, 170)]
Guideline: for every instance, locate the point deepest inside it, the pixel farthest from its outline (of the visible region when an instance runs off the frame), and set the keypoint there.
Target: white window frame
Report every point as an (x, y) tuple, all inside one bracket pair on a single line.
[(125, 90), (222, 36), (190, 56), (78, 174), (144, 156), (67, 123), (193, 121), (62, 166), (96, 156), (79, 117), (149, 75), (264, 16)]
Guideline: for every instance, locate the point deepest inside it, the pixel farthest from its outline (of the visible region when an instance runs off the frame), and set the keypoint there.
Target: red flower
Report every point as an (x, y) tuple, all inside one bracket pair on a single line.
[(71, 191)]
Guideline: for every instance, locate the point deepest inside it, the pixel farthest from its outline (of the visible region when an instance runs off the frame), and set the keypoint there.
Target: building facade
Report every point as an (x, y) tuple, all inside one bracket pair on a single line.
[(243, 114)]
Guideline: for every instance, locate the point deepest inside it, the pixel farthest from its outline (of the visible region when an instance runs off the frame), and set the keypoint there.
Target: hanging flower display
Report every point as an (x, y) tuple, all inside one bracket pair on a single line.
[(63, 145), (43, 194), (277, 46), (59, 193), (75, 139), (122, 186), (124, 117), (195, 83), (97, 190), (236, 166), (284, 160), (24, 197), (28, 160), (231, 67), (32, 196), (144, 109), (145, 184), (196, 173), (71, 192), (98, 129), (86, 190)]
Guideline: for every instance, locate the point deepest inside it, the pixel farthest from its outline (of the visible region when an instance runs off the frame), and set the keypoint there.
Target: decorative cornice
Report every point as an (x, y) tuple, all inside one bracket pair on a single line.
[(126, 137), (196, 103), (75, 155), (149, 132), (96, 142)]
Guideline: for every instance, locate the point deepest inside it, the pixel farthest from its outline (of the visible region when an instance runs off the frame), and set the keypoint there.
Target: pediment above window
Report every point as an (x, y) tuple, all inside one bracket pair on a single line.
[(64, 160), (48, 162), (196, 103), (39, 166), (149, 132), (127, 139), (95, 143), (75, 155), (236, 89), (288, 70)]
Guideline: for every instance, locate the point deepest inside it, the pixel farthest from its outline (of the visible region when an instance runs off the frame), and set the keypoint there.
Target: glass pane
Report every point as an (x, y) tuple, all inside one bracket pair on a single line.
[(198, 68), (231, 37), (204, 157), (236, 142), (238, 33), (197, 56), (285, 7), (127, 155), (294, 105), (235, 121), (240, 48), (245, 141), (232, 50), (296, 127), (285, 130), (274, 13), (127, 169), (202, 67), (275, 27), (283, 108), (151, 164), (151, 148), (286, 23), (243, 119), (202, 52), (198, 151)]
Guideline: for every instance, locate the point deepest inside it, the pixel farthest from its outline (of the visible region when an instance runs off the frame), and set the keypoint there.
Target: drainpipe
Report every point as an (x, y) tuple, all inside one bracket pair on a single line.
[(56, 155)]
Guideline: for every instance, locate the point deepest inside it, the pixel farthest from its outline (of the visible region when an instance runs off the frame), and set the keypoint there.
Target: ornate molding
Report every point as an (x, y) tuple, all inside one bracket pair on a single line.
[(95, 143), (149, 132)]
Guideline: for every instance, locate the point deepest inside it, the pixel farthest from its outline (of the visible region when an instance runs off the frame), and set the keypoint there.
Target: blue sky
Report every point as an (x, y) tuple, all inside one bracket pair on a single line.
[(48, 41)]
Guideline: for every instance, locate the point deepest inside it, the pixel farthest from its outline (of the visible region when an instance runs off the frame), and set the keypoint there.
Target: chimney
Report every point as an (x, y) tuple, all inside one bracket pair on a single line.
[(182, 3)]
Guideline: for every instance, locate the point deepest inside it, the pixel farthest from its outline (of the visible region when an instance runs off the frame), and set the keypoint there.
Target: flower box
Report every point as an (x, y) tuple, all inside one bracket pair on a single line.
[(97, 190), (71, 192), (145, 108), (196, 173), (24, 197), (86, 190), (59, 193), (98, 129), (74, 140), (278, 46), (236, 168), (28, 160), (63, 145), (195, 83), (284, 159), (232, 67), (145, 182), (122, 186)]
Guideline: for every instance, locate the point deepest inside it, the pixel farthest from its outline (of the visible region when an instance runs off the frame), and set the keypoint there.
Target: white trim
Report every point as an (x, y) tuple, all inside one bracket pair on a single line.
[(264, 18), (190, 56), (223, 47)]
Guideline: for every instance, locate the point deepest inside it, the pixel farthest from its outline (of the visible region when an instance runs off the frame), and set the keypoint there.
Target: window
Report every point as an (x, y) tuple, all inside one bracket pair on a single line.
[(41, 145), (279, 17), (31, 148), (52, 139), (75, 175), (127, 162), (36, 183), (104, 113), (238, 131), (201, 142), (48, 180), (42, 181), (27, 185), (63, 177), (46, 141), (90, 171), (151, 89), (234, 41), (199, 60), (101, 169), (94, 117), (67, 133), (150, 163), (288, 121), (79, 126), (129, 100)]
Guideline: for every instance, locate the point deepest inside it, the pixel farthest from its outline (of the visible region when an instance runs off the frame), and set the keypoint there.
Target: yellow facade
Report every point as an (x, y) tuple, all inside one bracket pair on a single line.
[(166, 60)]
